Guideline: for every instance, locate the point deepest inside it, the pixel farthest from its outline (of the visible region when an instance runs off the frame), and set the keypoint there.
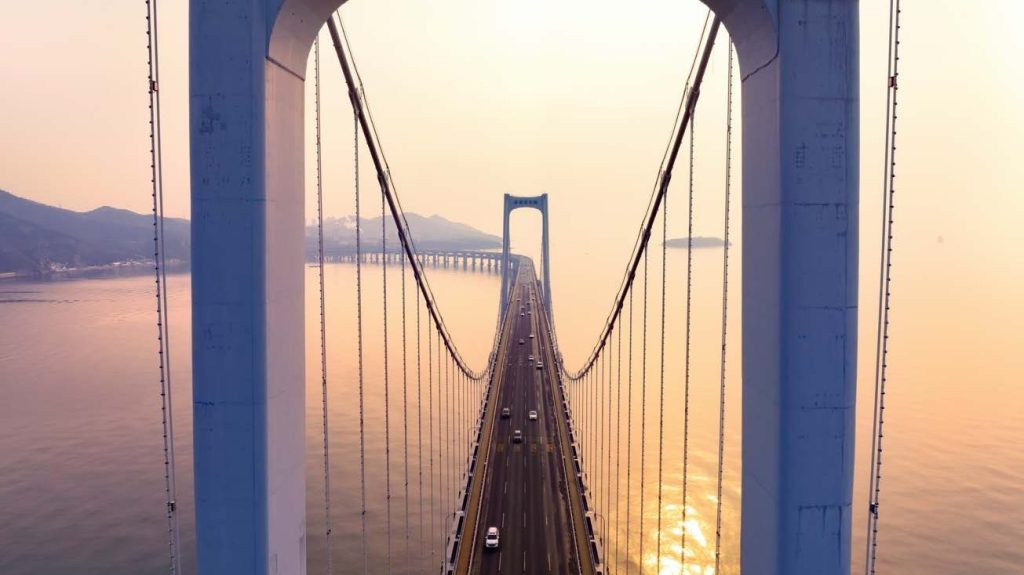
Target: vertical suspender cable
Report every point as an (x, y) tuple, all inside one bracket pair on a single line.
[(884, 287), (592, 432), (600, 442), (725, 311), (689, 323), (643, 414), (587, 424), (447, 445), (387, 387), (323, 307), (359, 346), (464, 393), (661, 394), (419, 417), (585, 409), (629, 433), (160, 273), (405, 408), (618, 442), (430, 433), (449, 410), (441, 475), (589, 428), (606, 444), (608, 451), (463, 430)]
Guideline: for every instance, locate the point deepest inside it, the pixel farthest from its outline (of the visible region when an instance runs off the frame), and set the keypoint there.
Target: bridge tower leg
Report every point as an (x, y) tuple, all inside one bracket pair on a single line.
[(545, 256), (799, 64), (246, 91), (503, 296)]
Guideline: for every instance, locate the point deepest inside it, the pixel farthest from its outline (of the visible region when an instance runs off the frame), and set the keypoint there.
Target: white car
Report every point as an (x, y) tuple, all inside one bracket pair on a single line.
[(531, 336), (533, 415), (530, 358), (491, 539), (540, 365)]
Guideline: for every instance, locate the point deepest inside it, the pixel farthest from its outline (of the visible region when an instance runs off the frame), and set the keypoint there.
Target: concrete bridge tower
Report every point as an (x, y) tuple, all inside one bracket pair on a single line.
[(512, 203), (799, 68)]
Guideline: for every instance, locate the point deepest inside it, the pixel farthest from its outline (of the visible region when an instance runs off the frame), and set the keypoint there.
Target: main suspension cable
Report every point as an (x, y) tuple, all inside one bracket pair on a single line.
[(361, 109), (160, 273), (655, 206), (884, 287), (725, 312), (323, 307)]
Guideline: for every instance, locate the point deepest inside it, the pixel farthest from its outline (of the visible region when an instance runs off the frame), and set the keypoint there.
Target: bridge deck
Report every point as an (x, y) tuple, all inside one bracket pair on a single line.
[(523, 490)]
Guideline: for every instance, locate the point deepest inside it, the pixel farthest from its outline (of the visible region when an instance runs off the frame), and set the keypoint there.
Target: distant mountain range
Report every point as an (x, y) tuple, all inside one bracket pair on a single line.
[(37, 239), (429, 233), (698, 242)]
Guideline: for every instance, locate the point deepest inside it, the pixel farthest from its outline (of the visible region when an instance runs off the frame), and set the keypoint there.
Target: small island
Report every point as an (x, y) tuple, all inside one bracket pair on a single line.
[(698, 242)]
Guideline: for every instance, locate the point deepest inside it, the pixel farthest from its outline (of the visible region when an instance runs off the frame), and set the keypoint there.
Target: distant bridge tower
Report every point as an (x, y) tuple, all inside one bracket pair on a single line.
[(513, 203)]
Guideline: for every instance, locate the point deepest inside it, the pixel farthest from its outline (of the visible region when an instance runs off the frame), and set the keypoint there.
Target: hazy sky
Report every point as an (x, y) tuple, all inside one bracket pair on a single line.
[(474, 98)]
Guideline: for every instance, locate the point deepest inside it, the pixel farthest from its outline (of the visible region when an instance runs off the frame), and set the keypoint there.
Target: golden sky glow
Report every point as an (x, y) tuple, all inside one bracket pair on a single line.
[(475, 98)]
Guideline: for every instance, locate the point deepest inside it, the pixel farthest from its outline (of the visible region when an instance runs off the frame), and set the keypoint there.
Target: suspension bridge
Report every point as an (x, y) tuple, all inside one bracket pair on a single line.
[(523, 468)]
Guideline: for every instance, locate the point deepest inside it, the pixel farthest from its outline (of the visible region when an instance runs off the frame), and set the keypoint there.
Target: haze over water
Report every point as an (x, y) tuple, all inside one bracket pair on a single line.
[(81, 484)]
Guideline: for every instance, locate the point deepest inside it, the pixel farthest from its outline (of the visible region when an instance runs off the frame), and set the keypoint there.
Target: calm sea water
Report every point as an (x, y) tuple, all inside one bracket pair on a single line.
[(81, 477)]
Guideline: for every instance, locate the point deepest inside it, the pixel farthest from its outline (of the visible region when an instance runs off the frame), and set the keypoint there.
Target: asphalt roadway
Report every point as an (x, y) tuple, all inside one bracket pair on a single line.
[(525, 489)]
